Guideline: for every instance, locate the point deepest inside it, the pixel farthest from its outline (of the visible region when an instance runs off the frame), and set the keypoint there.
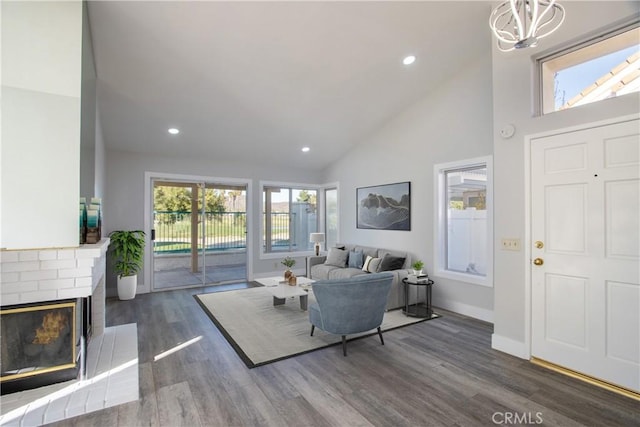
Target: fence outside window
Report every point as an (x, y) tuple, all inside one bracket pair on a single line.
[(223, 231)]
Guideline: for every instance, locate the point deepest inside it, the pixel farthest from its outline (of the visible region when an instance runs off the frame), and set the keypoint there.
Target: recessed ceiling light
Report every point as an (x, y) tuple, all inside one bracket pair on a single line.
[(173, 131), (408, 60), (305, 149)]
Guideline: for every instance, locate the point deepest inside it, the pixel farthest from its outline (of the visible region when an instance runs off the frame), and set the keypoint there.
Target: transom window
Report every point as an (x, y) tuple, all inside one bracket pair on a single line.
[(601, 68)]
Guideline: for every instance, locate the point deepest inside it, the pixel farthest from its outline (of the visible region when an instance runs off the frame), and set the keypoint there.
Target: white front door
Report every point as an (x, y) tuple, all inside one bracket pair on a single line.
[(585, 283)]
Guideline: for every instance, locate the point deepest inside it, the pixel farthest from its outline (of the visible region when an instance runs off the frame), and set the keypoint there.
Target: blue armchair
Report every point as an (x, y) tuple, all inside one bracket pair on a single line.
[(350, 306)]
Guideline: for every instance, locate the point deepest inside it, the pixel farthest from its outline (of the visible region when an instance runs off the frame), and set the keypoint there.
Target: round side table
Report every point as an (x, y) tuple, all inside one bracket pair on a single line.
[(419, 308)]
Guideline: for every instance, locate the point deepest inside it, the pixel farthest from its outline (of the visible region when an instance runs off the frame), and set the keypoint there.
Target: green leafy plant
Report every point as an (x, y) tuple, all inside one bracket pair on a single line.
[(128, 251), (417, 265), (288, 262)]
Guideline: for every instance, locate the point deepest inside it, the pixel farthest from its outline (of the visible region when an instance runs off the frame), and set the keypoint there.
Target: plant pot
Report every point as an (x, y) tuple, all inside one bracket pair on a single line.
[(127, 287), (417, 272), (287, 274)]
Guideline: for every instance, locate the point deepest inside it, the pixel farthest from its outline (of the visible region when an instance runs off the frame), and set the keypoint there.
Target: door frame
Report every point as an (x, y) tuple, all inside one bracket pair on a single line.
[(529, 140), (149, 176)]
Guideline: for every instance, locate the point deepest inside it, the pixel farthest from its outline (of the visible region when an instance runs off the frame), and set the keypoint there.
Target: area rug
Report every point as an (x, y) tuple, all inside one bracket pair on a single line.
[(262, 333)]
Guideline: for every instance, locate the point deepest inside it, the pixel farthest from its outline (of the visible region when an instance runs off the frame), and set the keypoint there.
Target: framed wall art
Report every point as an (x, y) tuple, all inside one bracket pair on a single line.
[(384, 207)]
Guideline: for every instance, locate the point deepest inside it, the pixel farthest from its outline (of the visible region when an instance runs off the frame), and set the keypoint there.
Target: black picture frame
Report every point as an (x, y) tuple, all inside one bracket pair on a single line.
[(384, 207)]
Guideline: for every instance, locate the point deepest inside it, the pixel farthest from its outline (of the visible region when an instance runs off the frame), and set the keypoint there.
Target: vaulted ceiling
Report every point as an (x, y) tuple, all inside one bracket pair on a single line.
[(261, 80)]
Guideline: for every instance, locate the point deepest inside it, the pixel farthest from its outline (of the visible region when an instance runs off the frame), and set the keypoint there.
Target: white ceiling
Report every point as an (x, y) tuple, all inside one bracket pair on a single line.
[(260, 80)]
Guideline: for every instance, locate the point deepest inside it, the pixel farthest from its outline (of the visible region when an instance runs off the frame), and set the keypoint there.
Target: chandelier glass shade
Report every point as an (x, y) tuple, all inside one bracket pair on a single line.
[(518, 24)]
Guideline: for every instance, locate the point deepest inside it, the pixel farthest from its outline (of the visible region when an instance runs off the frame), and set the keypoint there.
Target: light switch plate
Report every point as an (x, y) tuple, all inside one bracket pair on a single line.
[(510, 244)]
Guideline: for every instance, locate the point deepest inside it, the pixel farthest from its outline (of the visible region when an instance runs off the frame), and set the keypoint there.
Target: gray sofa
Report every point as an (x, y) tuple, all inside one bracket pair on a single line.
[(321, 268)]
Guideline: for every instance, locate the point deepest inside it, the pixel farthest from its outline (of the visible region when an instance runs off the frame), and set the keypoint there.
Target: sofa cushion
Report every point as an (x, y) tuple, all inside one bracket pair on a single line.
[(367, 251), (356, 259), (371, 264), (398, 254), (337, 257), (344, 273), (321, 271), (390, 262)]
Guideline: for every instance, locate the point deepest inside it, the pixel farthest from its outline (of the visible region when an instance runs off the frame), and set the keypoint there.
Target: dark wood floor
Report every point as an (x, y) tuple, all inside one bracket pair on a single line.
[(437, 373)]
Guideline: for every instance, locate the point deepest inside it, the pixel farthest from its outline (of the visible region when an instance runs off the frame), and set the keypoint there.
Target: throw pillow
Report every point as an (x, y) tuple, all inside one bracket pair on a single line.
[(390, 263), (371, 264), (337, 257), (355, 259)]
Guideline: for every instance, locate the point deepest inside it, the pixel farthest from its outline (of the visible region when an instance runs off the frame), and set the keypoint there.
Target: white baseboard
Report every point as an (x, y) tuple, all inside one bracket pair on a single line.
[(466, 310), (509, 346)]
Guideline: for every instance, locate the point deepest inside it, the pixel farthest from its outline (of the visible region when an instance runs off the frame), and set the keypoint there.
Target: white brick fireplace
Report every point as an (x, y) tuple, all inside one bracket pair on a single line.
[(40, 275), (44, 275)]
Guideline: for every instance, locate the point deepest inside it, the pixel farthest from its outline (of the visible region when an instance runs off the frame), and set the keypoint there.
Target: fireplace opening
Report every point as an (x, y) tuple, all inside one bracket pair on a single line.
[(42, 343)]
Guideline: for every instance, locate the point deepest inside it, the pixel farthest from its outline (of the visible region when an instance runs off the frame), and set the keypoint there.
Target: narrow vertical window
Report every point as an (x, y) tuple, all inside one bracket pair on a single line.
[(331, 217), (464, 229)]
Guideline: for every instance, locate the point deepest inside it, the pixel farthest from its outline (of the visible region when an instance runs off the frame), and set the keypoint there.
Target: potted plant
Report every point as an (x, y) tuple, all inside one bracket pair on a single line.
[(288, 262), (128, 249), (417, 267)]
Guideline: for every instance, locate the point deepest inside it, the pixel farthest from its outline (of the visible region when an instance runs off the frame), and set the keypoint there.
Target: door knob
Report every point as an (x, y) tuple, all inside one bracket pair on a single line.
[(538, 261), (539, 244)]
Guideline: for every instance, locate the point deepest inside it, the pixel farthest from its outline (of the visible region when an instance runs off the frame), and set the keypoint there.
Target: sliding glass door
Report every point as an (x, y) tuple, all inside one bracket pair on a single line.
[(177, 252), (199, 234), (224, 233)]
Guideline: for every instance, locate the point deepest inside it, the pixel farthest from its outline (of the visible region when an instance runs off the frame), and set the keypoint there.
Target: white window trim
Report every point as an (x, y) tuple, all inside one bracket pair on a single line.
[(440, 227), (279, 255)]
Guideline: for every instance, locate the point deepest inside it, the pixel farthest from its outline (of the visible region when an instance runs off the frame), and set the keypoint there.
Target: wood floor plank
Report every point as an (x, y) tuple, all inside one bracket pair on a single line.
[(176, 406), (437, 373), (326, 400), (214, 404), (293, 411), (143, 412)]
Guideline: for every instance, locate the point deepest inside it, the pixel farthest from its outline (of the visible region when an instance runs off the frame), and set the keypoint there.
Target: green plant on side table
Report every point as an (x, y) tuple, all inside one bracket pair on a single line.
[(288, 262), (417, 267), (127, 248)]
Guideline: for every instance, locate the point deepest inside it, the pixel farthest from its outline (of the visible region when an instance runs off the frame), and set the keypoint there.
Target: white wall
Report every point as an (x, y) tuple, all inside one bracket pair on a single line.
[(100, 160), (88, 129), (513, 103), (453, 123), (124, 197), (41, 66)]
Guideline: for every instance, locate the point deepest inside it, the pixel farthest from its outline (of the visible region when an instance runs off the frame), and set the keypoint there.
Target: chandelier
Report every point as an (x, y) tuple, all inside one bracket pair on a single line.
[(518, 24)]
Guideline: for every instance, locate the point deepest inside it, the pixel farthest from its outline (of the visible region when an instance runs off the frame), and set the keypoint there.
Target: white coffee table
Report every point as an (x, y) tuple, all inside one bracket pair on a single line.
[(281, 291)]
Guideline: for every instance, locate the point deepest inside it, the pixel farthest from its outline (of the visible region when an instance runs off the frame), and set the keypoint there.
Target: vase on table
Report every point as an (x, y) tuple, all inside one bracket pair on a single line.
[(293, 280)]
